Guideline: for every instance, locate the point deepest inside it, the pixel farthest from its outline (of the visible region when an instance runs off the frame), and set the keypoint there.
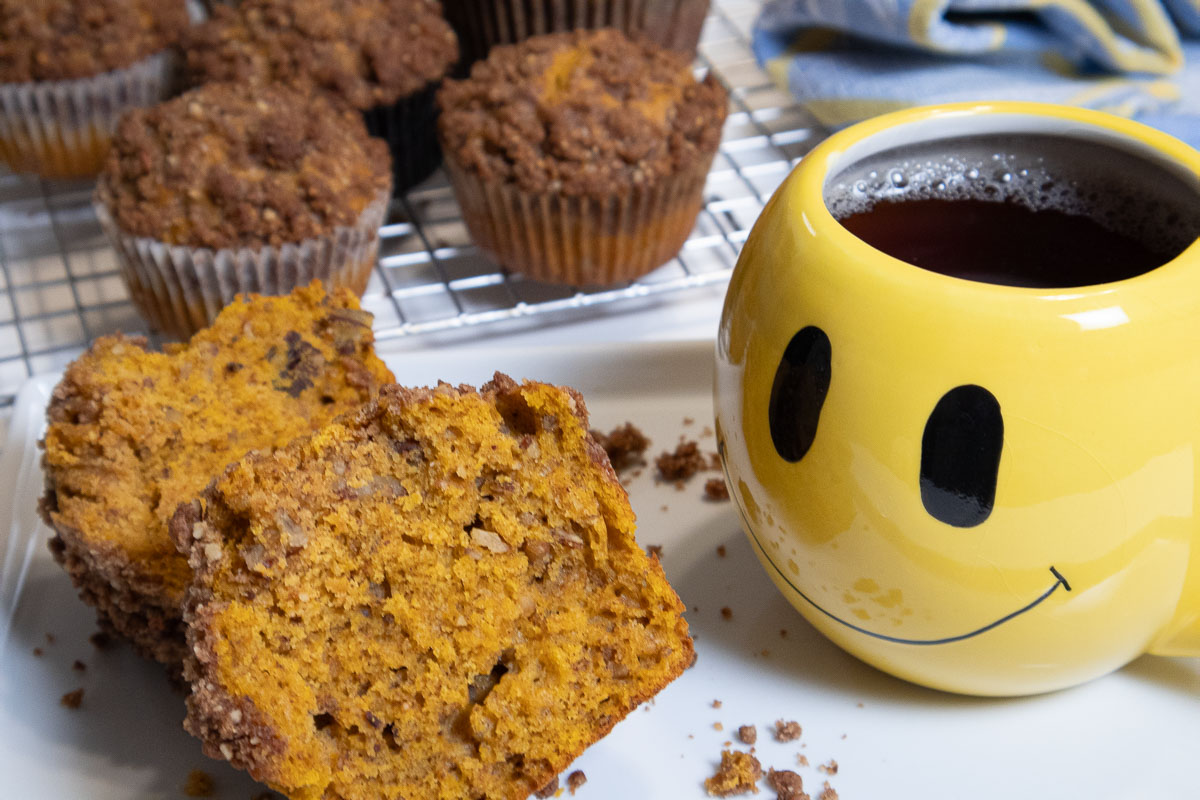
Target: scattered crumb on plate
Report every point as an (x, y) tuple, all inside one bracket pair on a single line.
[(72, 700), (199, 784), (787, 731), (738, 774), (787, 784)]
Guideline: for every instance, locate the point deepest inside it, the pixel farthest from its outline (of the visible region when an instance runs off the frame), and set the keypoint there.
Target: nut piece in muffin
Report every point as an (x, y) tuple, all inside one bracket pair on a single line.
[(483, 24), (581, 157), (382, 57), (437, 597), (69, 68), (133, 433), (228, 189)]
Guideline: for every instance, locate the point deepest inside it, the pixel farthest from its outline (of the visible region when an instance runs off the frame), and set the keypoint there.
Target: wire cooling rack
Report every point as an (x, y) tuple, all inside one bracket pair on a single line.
[(60, 286)]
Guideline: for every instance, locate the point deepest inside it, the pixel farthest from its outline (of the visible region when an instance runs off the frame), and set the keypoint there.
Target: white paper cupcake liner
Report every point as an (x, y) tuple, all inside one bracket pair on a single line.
[(182, 289), (62, 129), (482, 24), (581, 240)]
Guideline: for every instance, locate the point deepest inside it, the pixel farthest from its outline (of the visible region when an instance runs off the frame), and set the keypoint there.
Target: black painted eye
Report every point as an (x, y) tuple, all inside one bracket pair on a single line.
[(960, 456), (801, 383)]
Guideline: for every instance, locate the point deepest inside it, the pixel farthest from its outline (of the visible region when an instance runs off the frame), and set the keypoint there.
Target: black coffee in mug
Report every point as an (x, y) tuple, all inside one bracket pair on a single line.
[(1036, 211)]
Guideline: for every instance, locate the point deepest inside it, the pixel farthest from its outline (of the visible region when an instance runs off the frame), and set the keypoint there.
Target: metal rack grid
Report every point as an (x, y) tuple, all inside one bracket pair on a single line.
[(60, 286)]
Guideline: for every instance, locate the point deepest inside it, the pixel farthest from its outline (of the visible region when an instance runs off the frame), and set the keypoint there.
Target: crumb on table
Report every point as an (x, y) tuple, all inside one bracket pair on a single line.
[(199, 784), (682, 464), (829, 768), (738, 774), (748, 734), (720, 551), (726, 612), (575, 780), (716, 490), (828, 792), (548, 790), (787, 731), (625, 445), (79, 666), (716, 703), (787, 784), (72, 700)]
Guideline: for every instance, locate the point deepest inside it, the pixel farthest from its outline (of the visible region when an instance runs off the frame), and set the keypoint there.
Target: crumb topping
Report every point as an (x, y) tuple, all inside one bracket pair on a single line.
[(787, 784), (367, 52), (238, 166), (582, 113), (787, 731), (51, 40), (625, 444)]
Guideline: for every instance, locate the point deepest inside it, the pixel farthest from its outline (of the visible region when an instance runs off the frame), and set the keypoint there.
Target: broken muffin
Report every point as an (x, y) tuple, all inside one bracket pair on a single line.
[(437, 597)]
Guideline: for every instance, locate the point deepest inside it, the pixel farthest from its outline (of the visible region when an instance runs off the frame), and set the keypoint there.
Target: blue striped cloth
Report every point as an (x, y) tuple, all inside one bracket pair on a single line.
[(846, 60)]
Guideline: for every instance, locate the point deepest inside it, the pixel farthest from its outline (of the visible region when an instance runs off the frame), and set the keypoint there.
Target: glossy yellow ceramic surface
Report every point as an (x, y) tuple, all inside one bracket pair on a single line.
[(1091, 553)]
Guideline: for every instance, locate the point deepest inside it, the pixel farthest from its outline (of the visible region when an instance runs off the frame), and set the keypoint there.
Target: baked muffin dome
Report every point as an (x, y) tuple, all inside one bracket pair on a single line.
[(50, 40), (383, 57), (581, 158), (226, 166), (366, 52), (581, 113)]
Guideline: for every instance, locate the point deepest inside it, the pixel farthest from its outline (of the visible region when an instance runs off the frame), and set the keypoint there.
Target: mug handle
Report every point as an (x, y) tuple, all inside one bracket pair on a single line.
[(1181, 636)]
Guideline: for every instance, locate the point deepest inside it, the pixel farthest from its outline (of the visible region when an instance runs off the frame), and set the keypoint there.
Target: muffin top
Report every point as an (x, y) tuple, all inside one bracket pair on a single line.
[(51, 40), (368, 52), (241, 166), (581, 113)]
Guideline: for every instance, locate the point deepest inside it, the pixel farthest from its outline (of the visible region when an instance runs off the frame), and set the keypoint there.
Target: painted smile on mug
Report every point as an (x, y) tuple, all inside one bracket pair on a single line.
[(960, 456)]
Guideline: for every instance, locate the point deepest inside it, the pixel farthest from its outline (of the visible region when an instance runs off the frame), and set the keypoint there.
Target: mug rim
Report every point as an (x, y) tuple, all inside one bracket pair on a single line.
[(849, 145)]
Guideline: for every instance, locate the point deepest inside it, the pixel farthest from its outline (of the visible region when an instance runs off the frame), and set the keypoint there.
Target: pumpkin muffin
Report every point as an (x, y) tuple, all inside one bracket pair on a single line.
[(483, 24), (70, 68), (229, 189), (439, 596), (133, 433), (382, 57), (581, 157)]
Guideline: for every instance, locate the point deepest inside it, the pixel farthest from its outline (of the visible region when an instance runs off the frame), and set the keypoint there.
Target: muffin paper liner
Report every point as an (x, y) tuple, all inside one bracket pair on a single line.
[(409, 126), (581, 240), (482, 24), (181, 289), (62, 129)]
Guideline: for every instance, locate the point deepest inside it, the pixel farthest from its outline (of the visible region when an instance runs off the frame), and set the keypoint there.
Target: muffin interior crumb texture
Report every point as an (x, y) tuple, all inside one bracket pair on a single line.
[(228, 165), (366, 52), (582, 113), (53, 40), (133, 433), (438, 597)]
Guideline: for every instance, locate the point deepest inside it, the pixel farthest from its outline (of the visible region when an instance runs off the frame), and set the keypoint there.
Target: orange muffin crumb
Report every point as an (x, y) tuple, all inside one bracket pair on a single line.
[(738, 774), (440, 596), (134, 433)]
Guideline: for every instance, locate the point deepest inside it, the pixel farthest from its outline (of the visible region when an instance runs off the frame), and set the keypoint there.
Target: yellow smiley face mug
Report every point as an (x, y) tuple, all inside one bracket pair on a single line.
[(958, 394)]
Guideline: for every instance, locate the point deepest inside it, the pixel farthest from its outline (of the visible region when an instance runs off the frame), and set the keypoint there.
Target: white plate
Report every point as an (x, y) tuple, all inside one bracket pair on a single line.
[(1133, 734)]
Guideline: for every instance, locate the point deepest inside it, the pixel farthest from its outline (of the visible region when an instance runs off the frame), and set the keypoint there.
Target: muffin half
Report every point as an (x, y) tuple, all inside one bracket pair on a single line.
[(133, 433)]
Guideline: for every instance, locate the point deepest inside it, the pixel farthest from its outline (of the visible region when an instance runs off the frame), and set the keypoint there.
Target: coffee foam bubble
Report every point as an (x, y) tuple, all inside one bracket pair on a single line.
[(1120, 191)]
